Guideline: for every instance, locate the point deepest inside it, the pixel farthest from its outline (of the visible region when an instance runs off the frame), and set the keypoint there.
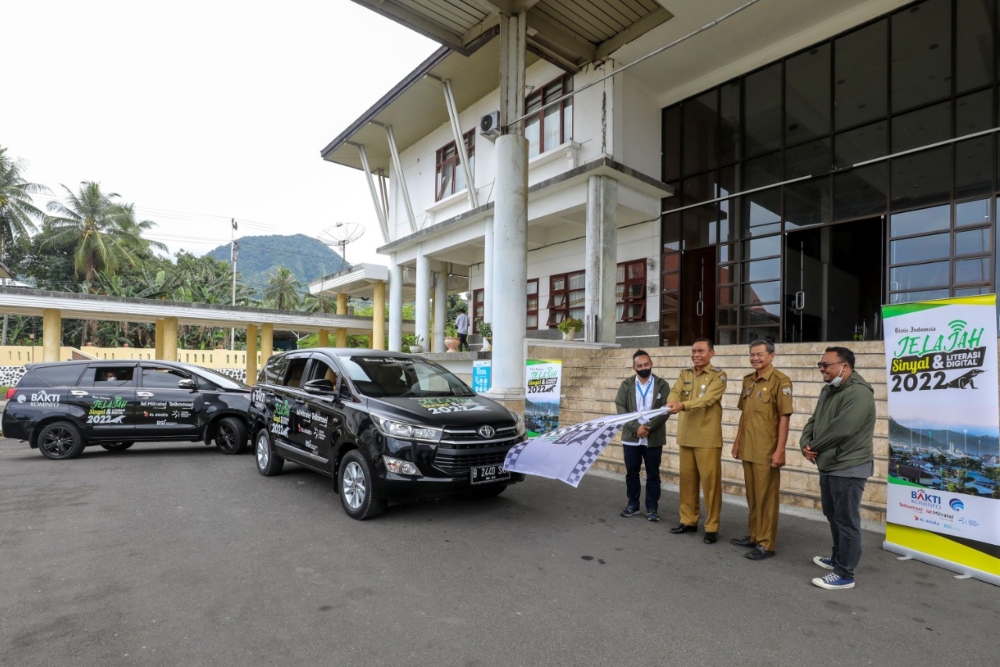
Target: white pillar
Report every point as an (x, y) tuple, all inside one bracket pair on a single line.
[(488, 272), (601, 259), (395, 305), (423, 298), (440, 307), (510, 252)]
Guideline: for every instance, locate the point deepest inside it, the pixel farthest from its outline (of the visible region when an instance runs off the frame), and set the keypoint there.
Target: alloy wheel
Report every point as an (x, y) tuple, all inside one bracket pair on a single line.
[(355, 485)]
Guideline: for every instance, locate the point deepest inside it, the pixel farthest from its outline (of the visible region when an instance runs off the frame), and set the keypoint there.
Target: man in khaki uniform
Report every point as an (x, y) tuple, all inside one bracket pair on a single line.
[(766, 403), (696, 399)]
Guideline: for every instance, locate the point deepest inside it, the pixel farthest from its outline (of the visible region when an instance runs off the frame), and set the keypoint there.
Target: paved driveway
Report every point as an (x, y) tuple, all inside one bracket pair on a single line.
[(176, 554)]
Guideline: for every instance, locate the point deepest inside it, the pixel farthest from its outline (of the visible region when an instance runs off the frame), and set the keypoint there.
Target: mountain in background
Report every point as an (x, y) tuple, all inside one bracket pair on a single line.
[(307, 258)]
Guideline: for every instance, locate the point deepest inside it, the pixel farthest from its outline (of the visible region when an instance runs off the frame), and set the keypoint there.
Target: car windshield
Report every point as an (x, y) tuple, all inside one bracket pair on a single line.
[(219, 379), (399, 376)]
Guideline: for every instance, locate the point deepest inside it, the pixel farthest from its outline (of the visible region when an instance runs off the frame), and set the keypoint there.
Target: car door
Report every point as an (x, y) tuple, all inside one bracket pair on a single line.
[(318, 424), (163, 408), (106, 396), (289, 411)]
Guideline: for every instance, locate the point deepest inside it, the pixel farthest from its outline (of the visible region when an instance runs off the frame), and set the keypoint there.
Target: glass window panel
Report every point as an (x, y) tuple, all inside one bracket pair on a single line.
[(767, 269), (728, 208), (919, 276), (768, 246), (910, 297), (807, 95), (727, 317), (531, 133), (974, 44), (974, 113), (922, 178), (762, 171), (920, 249), (918, 222), (972, 213), (748, 336), (761, 314), (974, 167), (764, 230), (576, 281), (533, 287), (972, 270), (726, 253), (860, 75), (758, 292), (762, 208), (699, 227), (864, 143), (551, 138), (567, 119), (762, 115), (726, 295), (807, 203), (811, 159), (860, 192), (972, 291), (672, 143), (701, 124), (728, 336), (973, 241), (921, 127), (921, 54), (731, 273), (672, 281), (729, 117)]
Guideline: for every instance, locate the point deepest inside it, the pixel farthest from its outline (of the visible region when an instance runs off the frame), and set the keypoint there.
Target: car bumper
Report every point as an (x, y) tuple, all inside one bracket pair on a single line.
[(392, 486), (15, 429)]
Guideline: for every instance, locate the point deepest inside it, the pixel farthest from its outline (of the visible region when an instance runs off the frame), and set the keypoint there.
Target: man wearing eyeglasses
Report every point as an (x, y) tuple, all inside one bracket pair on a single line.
[(838, 439)]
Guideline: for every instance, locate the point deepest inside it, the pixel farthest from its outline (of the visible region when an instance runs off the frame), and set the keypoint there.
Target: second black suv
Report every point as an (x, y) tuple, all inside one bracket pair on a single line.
[(61, 407), (383, 425)]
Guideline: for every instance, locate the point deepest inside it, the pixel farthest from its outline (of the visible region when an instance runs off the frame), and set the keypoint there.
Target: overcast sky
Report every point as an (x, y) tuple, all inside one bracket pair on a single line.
[(198, 112)]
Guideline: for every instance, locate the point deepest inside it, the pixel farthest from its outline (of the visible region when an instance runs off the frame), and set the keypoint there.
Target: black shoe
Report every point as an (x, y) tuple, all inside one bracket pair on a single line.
[(711, 538), (683, 528), (651, 515), (759, 553), (629, 511), (743, 542)]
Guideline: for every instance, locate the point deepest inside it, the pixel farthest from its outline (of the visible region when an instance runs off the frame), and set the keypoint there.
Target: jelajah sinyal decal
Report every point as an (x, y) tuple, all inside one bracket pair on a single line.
[(439, 406)]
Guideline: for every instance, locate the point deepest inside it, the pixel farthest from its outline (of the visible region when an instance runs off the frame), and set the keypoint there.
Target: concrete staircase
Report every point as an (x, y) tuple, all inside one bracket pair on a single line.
[(591, 378)]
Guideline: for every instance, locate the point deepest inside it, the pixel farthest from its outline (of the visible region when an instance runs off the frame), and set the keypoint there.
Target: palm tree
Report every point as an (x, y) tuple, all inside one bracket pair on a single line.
[(282, 291), (16, 209), (319, 304), (106, 232)]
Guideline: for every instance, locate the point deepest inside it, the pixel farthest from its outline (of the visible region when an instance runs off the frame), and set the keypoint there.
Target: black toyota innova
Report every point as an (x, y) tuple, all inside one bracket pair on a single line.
[(383, 425)]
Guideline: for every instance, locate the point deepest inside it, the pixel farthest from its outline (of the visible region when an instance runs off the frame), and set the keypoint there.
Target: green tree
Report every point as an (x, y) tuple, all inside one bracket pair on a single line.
[(107, 234), (17, 212), (282, 290)]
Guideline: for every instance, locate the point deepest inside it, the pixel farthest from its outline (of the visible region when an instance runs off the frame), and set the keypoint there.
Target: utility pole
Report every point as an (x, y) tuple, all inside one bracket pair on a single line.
[(234, 253)]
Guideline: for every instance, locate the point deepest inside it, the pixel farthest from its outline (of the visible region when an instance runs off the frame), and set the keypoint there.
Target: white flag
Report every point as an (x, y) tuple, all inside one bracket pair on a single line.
[(568, 453)]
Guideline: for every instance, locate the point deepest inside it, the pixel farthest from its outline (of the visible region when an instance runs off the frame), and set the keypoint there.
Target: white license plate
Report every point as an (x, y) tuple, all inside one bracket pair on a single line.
[(487, 474)]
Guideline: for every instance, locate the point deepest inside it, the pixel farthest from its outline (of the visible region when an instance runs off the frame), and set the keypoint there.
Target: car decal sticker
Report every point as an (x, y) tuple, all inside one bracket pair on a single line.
[(437, 406)]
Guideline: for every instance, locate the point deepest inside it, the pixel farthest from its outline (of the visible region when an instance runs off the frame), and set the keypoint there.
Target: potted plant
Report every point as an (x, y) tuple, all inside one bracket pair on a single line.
[(417, 345), (485, 329), (451, 337), (569, 327)]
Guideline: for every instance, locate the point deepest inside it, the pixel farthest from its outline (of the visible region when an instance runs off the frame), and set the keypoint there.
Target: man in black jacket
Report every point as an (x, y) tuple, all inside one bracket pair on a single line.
[(643, 439)]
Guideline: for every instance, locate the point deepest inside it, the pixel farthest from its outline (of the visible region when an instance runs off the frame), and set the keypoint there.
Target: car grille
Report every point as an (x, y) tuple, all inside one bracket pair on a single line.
[(459, 464), (457, 438)]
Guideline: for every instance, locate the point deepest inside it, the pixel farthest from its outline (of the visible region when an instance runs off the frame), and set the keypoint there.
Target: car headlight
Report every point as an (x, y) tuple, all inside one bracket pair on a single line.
[(401, 467), (404, 431)]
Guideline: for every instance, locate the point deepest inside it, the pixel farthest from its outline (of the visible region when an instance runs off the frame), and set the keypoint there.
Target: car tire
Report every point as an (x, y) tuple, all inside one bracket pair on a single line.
[(268, 463), (60, 440), (117, 446), (489, 491), (357, 493), (231, 435)]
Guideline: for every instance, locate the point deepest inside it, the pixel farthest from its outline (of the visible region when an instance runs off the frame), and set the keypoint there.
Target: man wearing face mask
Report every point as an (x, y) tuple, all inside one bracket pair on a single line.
[(838, 439), (643, 439)]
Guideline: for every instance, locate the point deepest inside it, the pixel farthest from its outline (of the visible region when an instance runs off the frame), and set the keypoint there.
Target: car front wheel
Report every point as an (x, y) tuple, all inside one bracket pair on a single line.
[(357, 494), (60, 440), (268, 463)]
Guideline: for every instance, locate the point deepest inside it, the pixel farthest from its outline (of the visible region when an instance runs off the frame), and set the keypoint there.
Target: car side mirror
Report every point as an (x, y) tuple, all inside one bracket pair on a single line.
[(187, 383), (322, 387)]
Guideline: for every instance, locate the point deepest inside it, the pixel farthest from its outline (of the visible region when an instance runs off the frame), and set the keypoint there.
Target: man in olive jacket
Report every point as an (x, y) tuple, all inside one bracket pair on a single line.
[(838, 439), (643, 439)]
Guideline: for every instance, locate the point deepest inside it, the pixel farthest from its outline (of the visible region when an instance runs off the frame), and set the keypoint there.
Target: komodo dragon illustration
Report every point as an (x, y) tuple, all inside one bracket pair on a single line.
[(965, 381)]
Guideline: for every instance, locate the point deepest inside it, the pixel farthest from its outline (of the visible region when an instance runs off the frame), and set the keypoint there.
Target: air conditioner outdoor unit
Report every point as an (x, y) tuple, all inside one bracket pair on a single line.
[(489, 125)]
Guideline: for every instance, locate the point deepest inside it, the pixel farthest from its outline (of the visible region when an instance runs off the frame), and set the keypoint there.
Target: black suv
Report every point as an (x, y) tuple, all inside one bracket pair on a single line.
[(383, 425), (61, 407)]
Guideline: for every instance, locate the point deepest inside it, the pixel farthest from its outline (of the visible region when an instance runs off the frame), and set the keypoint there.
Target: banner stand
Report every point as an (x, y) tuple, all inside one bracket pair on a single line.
[(942, 563)]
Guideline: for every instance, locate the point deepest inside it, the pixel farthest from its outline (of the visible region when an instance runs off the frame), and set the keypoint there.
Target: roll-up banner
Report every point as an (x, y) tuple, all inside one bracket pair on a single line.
[(543, 384), (943, 495)]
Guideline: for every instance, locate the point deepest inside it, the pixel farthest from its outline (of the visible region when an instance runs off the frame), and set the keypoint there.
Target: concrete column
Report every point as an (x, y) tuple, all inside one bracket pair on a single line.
[(378, 316), (440, 307), (511, 252), (158, 338), (266, 343), (601, 260), (487, 273), (324, 338), (341, 310), (170, 339), (395, 305), (423, 298), (51, 334), (251, 354)]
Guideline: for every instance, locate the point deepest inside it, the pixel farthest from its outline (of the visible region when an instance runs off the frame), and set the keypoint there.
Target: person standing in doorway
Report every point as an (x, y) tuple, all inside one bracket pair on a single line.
[(838, 439), (462, 326), (643, 439), (696, 399), (766, 405)]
